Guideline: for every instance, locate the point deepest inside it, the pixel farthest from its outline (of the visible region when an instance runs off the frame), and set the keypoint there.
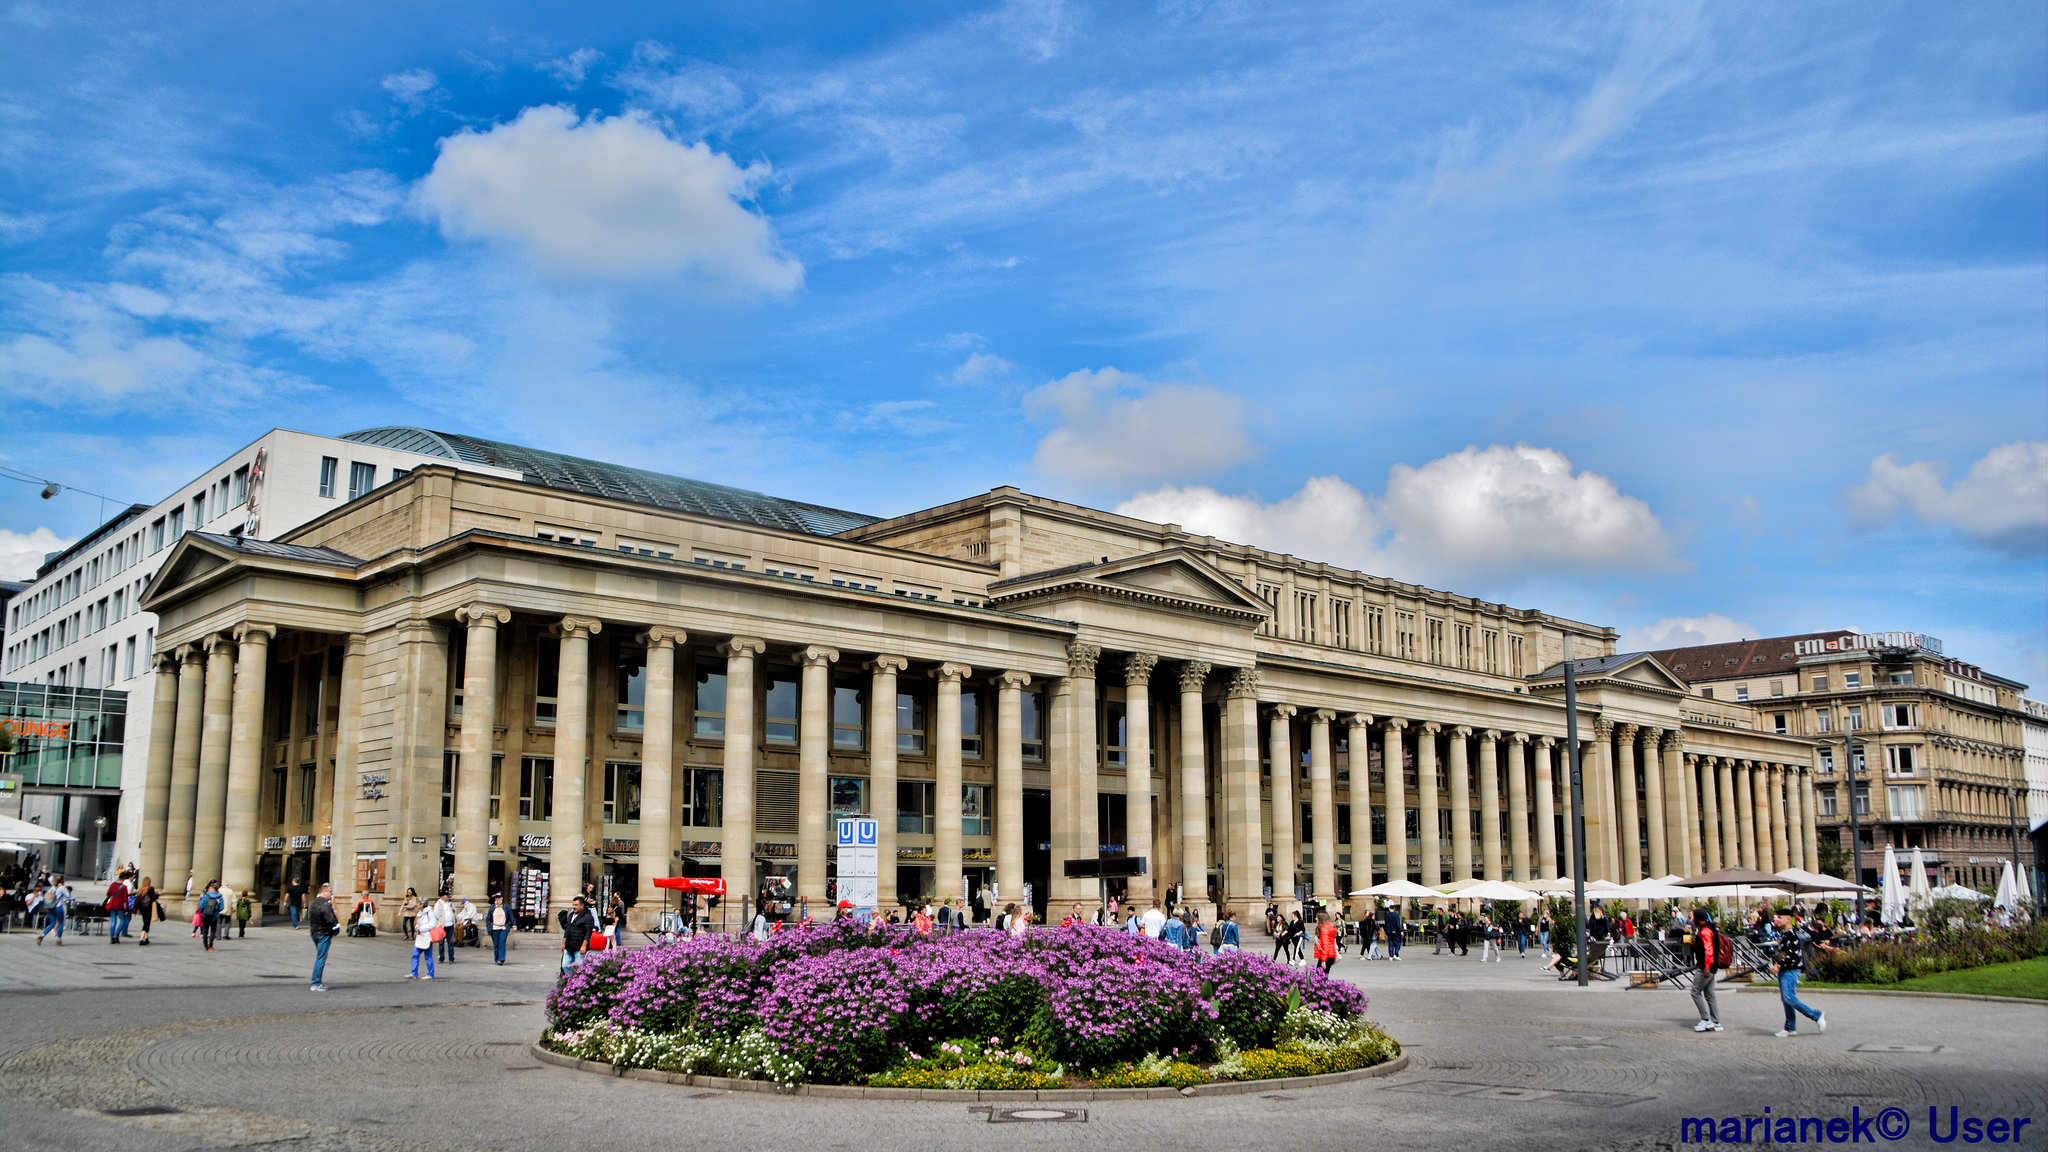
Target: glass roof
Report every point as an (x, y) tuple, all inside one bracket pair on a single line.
[(618, 482)]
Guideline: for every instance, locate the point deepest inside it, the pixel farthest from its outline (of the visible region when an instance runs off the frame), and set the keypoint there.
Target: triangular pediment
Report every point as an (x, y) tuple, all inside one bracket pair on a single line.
[(198, 555), (1649, 670), (1638, 668), (1174, 578)]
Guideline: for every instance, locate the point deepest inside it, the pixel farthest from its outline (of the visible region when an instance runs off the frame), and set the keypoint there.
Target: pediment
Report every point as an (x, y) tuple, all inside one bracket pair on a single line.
[(1650, 671), (1638, 669), (1175, 579), (197, 555)]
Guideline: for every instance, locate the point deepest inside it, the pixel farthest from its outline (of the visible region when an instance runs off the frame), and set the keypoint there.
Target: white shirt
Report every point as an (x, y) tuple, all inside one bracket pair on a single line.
[(1155, 921), (423, 931)]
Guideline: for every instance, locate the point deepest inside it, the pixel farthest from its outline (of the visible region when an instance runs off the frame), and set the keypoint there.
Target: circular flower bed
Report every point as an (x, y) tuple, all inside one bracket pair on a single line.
[(848, 1004)]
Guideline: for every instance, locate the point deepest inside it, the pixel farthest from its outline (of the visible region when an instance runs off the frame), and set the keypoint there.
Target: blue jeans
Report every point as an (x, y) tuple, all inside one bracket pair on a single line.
[(117, 923), (498, 943), (56, 923), (295, 915), (1788, 991), (428, 952), (320, 944), (569, 957)]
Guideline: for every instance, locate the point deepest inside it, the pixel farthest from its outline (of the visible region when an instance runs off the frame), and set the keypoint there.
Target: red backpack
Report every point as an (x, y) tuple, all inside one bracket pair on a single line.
[(1722, 949)]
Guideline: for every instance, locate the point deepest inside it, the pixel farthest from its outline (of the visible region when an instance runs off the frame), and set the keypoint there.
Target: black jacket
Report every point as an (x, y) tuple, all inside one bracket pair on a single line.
[(324, 922), (577, 929)]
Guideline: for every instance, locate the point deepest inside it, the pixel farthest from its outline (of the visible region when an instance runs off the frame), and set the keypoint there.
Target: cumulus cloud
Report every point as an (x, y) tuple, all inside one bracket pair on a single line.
[(21, 553), (1488, 508), (607, 199), (1685, 632), (413, 90), (2000, 503), (980, 368), (570, 70), (1115, 427), (1473, 514)]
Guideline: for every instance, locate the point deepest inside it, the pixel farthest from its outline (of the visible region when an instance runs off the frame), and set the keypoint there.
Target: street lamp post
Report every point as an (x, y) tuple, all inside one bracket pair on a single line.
[(1571, 739), (1855, 829)]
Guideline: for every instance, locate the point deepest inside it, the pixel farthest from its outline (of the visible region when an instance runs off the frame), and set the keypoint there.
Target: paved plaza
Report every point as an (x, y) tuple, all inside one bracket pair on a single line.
[(117, 1047)]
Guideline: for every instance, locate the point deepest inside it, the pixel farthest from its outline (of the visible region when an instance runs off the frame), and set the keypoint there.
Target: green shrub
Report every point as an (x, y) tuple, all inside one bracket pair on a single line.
[(1939, 947)]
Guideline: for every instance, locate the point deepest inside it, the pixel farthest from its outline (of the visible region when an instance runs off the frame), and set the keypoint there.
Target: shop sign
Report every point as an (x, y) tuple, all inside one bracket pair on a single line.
[(301, 842), (327, 841), (46, 729), (370, 779), (373, 793), (273, 843), (614, 847), (419, 839), (536, 841)]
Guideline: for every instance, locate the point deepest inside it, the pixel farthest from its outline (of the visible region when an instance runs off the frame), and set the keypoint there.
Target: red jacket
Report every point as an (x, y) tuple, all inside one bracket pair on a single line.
[(1326, 942)]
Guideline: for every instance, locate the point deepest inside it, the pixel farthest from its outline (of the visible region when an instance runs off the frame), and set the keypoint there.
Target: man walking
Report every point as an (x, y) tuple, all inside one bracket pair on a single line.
[(295, 899), (444, 916), (1787, 963), (325, 925), (576, 933), (1706, 952), (1392, 926)]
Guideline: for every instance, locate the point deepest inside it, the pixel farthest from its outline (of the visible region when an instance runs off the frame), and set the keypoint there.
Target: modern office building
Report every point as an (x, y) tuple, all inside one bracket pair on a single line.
[(80, 624), (509, 664), (1937, 747), (68, 745)]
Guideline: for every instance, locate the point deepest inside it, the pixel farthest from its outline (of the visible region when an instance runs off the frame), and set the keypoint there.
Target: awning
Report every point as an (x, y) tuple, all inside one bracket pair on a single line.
[(694, 859), (623, 857)]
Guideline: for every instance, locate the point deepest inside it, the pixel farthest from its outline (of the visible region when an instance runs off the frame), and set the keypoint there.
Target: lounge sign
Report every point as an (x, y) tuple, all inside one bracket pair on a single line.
[(47, 729)]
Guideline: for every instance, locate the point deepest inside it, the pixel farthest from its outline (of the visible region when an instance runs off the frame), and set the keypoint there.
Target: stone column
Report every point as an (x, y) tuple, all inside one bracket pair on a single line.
[(1808, 814), (1009, 787), (882, 750), (946, 763), (473, 768), (1194, 792), (1678, 826), (1395, 790), (180, 818), (572, 742), (657, 770), (1631, 827), (813, 764), (156, 787), (1072, 773), (1759, 783), (1461, 805), (245, 757), (1138, 769), (1731, 809), (1243, 890), (1518, 805), (1603, 859), (348, 733), (1358, 758), (1546, 811), (1489, 803), (1781, 856), (1426, 800), (1322, 804), (1794, 825), (1653, 802), (1286, 853), (209, 822), (736, 835), (1745, 813), (1710, 812)]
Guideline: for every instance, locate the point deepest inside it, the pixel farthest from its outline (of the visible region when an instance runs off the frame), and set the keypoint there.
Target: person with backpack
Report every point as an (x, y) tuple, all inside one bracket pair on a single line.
[(1792, 956), (244, 908), (324, 926), (57, 905), (1712, 952), (1224, 936), (212, 906)]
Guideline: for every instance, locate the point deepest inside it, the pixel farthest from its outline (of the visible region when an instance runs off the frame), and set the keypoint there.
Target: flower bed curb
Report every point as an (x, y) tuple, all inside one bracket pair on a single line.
[(1831, 991), (857, 1091)]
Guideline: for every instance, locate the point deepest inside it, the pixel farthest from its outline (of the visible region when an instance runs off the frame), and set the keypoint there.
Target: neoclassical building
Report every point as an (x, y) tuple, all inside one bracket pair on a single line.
[(601, 674)]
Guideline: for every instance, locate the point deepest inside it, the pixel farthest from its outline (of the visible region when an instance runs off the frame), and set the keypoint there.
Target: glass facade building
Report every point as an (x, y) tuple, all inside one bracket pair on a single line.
[(67, 749)]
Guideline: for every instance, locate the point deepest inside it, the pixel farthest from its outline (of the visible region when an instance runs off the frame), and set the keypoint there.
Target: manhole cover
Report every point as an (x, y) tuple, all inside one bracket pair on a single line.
[(1037, 1114), (144, 1110), (1922, 1048)]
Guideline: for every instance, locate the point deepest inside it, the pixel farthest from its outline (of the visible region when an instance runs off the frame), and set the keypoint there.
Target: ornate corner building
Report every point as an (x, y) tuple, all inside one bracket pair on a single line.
[(517, 664)]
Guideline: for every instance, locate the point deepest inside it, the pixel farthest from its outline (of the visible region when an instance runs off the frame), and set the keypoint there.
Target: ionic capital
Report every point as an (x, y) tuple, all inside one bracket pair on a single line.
[(660, 637), (1138, 668), (488, 615), (1081, 658), (167, 662), (1359, 720), (217, 640), (1546, 741), (745, 647), (817, 656), (1518, 737), (1429, 728), (1461, 731), (1394, 724), (950, 673), (578, 627), (1324, 716), (1283, 711), (1013, 681), (887, 664), (258, 634), (1244, 684), (1489, 736), (1193, 675)]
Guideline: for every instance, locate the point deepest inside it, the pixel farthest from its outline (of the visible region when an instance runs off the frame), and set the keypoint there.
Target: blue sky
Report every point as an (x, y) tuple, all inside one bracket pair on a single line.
[(1700, 321)]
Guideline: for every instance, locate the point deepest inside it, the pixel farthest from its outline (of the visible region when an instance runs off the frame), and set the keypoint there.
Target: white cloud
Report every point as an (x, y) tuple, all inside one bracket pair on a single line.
[(2000, 503), (570, 70), (1685, 632), (980, 368), (21, 553), (1118, 428), (1479, 513), (413, 90), (607, 200), (1498, 509)]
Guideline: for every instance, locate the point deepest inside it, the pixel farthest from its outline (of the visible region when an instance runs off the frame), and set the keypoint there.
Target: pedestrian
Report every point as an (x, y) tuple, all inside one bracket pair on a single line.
[(576, 932), (1521, 935), (1543, 928), (1391, 924), (1369, 937), (1227, 939), (323, 926), (117, 911), (498, 921), (148, 906), (57, 904), (1191, 930), (362, 919), (615, 918), (188, 884), (1787, 962), (1155, 921), (295, 898), (1489, 939), (444, 919), (1326, 943), (1020, 923), (1706, 955), (423, 937), (212, 906), (409, 912), (244, 908)]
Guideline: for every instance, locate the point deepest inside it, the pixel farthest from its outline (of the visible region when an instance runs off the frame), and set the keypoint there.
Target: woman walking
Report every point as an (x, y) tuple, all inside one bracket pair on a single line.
[(422, 941), (148, 907), (58, 904), (212, 906), (409, 912), (1326, 943)]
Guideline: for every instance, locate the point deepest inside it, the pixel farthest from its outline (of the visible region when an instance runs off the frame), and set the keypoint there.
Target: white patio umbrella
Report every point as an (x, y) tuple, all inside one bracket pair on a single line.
[(23, 831), (1399, 889), (2008, 888), (1821, 884), (1656, 890), (1557, 886), (2021, 887), (1918, 896), (1494, 890), (6, 846), (1959, 892), (1892, 907)]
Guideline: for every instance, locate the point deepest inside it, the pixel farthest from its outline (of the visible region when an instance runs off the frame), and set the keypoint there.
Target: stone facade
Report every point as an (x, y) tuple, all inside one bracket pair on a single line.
[(464, 674)]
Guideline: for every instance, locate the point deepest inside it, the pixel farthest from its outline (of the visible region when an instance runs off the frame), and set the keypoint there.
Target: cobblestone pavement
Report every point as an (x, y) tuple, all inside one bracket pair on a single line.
[(114, 1047)]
